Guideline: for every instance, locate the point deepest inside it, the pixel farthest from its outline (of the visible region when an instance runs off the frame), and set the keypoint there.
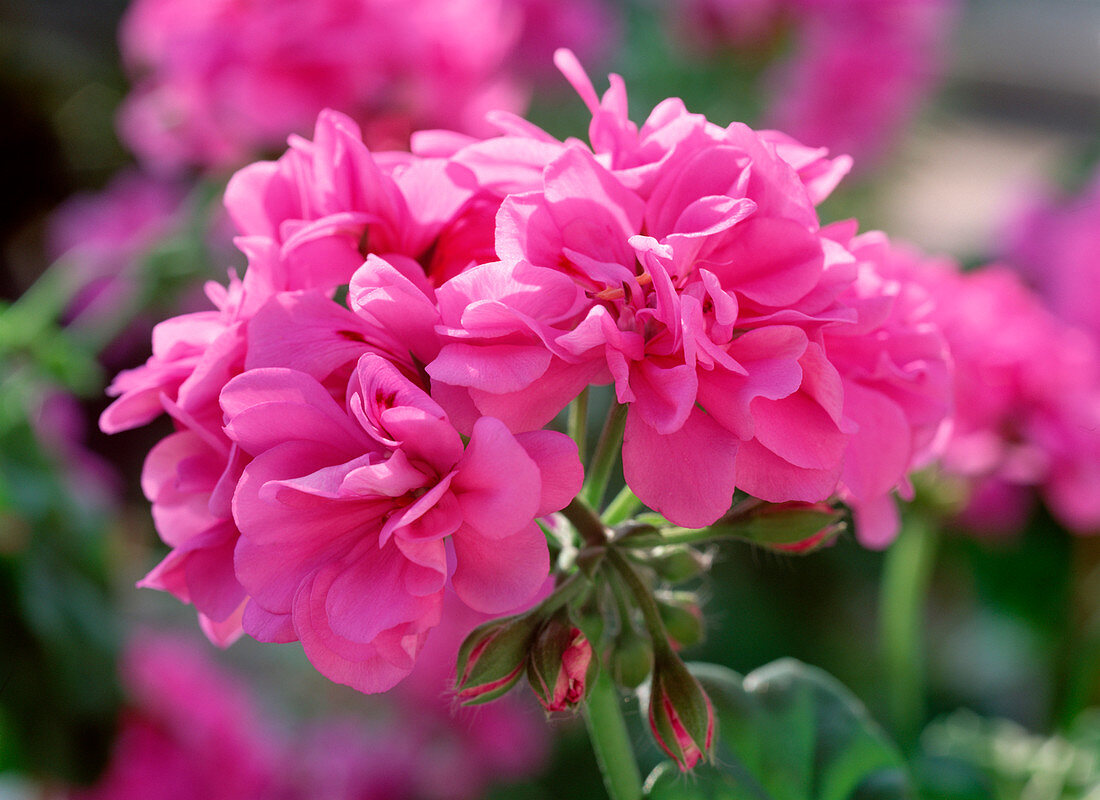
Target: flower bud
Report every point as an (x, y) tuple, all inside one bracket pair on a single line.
[(793, 527), (680, 712), (682, 617), (492, 658), (631, 657), (561, 668)]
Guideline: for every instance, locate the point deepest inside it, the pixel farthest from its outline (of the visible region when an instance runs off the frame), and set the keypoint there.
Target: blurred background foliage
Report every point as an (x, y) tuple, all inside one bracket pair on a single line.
[(1010, 655)]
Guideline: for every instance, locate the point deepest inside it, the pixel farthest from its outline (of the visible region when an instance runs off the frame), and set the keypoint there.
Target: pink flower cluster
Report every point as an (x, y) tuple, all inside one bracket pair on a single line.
[(190, 729), (857, 69), (1055, 243), (340, 463), (221, 81), (1027, 389)]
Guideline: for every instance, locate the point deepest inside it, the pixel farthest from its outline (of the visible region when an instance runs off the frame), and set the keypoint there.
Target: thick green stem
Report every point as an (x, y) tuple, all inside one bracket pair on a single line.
[(607, 451), (603, 714), (906, 577), (578, 422)]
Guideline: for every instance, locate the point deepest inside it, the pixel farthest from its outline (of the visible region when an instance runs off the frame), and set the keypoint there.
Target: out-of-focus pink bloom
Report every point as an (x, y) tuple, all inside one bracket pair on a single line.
[(740, 23), (587, 27), (859, 71), (188, 730), (60, 425), (105, 238), (856, 69), (1027, 393), (110, 228), (424, 753), (1056, 244), (219, 82), (355, 515), (684, 263)]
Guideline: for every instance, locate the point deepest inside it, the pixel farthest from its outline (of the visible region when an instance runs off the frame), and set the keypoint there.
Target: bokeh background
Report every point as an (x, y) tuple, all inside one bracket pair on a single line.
[(1001, 106)]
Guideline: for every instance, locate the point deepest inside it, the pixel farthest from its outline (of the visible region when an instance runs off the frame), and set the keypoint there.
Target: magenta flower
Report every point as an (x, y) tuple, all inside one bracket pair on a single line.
[(105, 236), (684, 263), (188, 730), (897, 378), (354, 517), (219, 83), (1027, 388), (860, 70), (854, 73), (309, 219), (1055, 242)]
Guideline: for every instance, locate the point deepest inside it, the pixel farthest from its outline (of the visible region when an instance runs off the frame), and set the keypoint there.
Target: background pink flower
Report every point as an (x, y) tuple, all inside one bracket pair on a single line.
[(1027, 393), (219, 82), (1055, 243), (188, 730), (843, 74)]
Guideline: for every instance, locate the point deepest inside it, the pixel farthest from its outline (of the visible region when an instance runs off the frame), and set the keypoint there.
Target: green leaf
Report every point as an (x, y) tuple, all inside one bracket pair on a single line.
[(787, 731)]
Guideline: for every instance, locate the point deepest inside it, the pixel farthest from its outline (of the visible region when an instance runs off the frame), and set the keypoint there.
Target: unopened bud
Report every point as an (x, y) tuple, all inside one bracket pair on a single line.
[(682, 617), (680, 713), (561, 668), (793, 527), (492, 658), (631, 657)]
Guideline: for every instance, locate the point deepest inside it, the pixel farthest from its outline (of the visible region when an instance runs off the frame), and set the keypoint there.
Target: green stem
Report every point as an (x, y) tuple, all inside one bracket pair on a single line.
[(607, 451), (906, 578), (578, 422), (603, 714), (622, 507)]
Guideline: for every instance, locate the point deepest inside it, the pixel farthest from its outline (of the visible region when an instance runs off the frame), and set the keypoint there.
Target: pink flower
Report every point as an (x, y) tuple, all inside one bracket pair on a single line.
[(106, 234), (354, 517), (106, 239), (1056, 244), (684, 263), (188, 730), (859, 71), (309, 219), (220, 82), (853, 73), (897, 379), (1027, 388)]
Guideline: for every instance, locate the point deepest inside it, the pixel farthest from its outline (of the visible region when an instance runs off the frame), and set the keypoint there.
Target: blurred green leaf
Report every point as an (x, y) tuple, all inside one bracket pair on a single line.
[(787, 731), (1011, 760)]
